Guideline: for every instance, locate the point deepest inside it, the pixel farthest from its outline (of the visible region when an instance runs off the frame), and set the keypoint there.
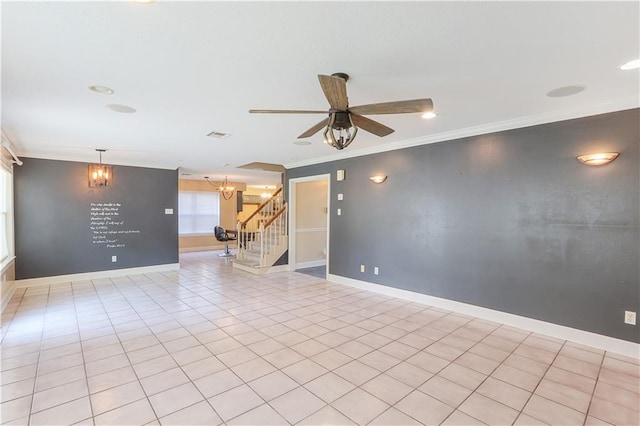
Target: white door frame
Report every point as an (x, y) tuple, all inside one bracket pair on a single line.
[(292, 215)]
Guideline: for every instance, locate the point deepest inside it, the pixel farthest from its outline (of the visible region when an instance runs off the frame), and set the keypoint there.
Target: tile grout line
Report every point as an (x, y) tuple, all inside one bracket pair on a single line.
[(231, 299), (178, 366), (84, 361), (595, 387), (487, 375), (35, 380), (540, 381), (128, 359)]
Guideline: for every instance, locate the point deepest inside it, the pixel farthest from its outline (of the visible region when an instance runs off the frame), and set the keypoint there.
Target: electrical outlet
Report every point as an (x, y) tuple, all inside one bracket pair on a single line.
[(630, 317), (361, 268), (340, 197), (375, 270), (114, 258)]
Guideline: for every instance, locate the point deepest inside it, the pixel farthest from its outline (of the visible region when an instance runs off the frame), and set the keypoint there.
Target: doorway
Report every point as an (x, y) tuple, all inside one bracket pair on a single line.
[(309, 224)]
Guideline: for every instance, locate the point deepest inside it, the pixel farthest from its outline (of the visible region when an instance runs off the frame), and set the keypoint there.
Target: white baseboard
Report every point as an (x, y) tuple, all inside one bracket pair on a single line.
[(582, 337), (278, 268), (57, 279), (311, 264), (203, 248), (8, 295)]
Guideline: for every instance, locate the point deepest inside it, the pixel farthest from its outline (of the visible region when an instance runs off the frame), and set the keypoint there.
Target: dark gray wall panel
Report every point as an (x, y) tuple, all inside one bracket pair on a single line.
[(53, 232), (508, 221)]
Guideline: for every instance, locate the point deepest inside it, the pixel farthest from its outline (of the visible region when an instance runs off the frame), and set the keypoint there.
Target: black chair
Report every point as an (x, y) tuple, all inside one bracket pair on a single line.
[(225, 237)]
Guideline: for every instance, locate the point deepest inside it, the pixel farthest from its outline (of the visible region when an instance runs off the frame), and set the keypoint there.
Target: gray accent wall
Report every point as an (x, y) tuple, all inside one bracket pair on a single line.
[(64, 227), (509, 221)]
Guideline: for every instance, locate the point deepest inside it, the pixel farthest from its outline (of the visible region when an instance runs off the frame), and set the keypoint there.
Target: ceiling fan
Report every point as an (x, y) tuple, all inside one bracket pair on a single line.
[(343, 121)]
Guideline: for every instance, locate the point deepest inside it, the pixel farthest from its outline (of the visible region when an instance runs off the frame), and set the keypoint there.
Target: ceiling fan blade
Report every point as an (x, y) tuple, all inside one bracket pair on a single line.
[(284, 111), (315, 129), (371, 126), (398, 107), (335, 90)]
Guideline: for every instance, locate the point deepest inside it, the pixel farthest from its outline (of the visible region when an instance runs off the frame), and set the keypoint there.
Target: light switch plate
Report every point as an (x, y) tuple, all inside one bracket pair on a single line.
[(168, 211), (340, 197), (339, 212)]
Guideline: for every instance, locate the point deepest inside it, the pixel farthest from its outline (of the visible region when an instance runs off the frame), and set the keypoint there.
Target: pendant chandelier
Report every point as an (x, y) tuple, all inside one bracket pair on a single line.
[(100, 175), (226, 188)]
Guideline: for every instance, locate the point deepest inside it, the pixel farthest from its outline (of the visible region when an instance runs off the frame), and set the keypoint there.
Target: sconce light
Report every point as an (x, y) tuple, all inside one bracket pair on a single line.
[(598, 159), (378, 178), (100, 175), (340, 175)]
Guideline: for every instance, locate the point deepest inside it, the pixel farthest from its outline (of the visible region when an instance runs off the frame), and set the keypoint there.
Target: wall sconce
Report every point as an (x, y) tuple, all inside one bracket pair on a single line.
[(378, 178), (339, 175), (100, 175), (598, 159)]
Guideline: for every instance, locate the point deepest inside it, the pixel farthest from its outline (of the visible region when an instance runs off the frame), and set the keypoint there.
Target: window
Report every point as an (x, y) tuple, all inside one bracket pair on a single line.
[(198, 212), (6, 228)]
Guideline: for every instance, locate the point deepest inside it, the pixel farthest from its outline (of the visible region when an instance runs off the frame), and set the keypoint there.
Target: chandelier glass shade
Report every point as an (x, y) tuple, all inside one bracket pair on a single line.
[(100, 175), (226, 188)]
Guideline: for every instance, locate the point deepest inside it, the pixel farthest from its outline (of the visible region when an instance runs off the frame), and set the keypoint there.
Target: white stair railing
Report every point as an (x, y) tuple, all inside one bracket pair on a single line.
[(262, 235)]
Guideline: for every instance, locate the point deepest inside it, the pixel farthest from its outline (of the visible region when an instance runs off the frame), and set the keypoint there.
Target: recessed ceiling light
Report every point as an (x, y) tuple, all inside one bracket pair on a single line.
[(219, 135), (561, 92), (428, 115), (302, 143), (104, 90), (120, 108), (631, 65)]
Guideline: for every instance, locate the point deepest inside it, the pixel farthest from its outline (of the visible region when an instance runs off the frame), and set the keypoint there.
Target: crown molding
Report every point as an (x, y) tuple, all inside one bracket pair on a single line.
[(516, 123)]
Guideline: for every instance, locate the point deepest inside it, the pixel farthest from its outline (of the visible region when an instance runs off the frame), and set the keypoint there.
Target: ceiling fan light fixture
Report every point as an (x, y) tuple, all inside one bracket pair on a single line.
[(343, 121), (341, 135)]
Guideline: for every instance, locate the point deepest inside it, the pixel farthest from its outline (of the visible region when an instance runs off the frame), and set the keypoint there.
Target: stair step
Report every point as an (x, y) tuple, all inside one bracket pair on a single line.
[(246, 262)]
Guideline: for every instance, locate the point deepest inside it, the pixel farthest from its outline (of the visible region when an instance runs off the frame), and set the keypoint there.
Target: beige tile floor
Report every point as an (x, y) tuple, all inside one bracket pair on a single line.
[(211, 345)]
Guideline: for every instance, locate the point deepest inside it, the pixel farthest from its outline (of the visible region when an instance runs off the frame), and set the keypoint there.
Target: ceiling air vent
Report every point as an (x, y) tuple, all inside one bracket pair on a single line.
[(219, 135)]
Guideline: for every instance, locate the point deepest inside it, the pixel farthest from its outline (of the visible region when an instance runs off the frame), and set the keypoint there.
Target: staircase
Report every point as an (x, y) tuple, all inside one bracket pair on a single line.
[(262, 237)]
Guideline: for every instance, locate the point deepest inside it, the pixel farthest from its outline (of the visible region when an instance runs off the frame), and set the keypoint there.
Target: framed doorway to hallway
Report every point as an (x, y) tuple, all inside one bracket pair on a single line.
[(309, 207)]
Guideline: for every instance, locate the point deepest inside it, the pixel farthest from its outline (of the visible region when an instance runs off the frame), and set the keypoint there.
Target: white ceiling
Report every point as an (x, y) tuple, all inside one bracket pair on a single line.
[(190, 68)]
